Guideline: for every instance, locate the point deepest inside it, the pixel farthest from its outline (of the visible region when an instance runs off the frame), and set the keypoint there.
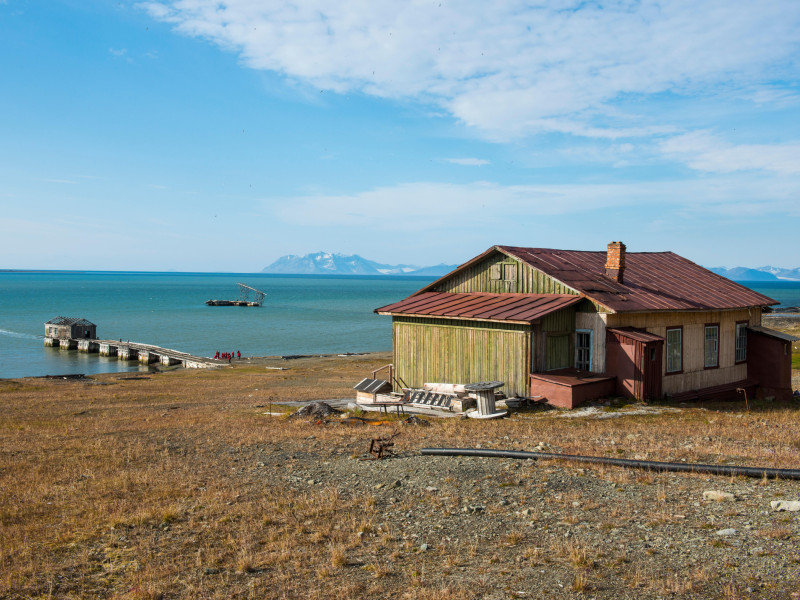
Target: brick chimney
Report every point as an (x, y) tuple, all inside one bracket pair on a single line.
[(615, 261)]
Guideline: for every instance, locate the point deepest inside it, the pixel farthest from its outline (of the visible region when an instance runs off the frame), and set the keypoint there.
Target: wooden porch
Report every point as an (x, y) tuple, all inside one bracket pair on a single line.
[(568, 388)]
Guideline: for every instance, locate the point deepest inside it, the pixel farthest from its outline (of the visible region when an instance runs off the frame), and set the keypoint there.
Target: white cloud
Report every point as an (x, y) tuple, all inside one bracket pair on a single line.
[(703, 151), (118, 52), (480, 205), (511, 68), (468, 162)]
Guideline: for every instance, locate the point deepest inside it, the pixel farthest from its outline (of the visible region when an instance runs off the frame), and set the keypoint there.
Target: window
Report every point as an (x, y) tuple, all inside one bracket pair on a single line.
[(509, 272), (503, 271), (741, 341), (711, 347), (674, 350), (583, 350)]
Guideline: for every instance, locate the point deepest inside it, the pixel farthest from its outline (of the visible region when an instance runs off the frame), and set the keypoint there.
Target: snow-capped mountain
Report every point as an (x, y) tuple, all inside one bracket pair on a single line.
[(759, 274), (327, 263), (788, 274)]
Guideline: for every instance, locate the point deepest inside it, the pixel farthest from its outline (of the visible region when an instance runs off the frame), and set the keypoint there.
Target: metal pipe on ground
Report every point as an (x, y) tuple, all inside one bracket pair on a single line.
[(649, 465)]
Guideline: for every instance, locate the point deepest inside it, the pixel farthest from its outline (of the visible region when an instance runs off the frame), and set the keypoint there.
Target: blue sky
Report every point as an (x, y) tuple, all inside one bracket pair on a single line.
[(199, 135)]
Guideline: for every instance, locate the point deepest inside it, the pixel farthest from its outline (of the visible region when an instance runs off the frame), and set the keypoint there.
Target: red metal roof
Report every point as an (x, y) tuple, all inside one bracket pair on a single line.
[(639, 335), (513, 308), (651, 281)]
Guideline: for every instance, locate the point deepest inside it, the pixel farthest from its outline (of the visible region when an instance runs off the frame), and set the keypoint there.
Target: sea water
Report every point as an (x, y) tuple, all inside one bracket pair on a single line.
[(301, 315)]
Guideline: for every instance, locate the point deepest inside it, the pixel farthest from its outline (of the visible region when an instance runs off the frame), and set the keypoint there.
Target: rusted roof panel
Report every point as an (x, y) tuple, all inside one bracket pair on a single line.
[(640, 335), (513, 308), (786, 337), (651, 280), (69, 321)]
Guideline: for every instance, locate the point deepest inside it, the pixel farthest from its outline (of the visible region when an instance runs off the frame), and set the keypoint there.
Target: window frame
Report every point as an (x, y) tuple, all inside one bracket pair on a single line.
[(590, 333), (678, 371), (743, 325), (509, 271), (706, 327)]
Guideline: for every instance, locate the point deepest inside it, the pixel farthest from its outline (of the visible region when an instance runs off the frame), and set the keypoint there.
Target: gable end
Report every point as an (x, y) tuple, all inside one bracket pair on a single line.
[(498, 273)]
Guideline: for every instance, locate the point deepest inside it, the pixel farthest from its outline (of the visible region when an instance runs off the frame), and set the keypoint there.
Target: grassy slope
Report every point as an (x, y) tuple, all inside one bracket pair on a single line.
[(150, 488)]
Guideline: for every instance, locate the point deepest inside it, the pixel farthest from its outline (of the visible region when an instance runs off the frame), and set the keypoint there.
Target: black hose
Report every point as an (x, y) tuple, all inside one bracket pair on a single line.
[(622, 462)]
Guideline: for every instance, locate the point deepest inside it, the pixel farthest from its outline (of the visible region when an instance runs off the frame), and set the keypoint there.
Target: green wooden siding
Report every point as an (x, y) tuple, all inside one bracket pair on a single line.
[(477, 278), (562, 321), (558, 355), (554, 339), (445, 351)]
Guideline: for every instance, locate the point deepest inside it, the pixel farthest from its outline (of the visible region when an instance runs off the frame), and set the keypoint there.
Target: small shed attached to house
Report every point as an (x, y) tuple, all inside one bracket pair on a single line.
[(70, 328)]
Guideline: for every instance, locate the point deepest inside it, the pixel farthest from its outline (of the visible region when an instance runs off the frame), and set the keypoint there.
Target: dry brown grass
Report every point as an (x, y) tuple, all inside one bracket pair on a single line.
[(152, 489)]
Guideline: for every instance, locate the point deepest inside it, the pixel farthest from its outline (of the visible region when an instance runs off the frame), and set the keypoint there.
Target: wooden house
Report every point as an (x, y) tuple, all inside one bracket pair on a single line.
[(573, 325), (70, 328)]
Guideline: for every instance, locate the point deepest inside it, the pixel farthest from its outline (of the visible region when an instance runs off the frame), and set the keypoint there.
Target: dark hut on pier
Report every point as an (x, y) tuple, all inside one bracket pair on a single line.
[(70, 328)]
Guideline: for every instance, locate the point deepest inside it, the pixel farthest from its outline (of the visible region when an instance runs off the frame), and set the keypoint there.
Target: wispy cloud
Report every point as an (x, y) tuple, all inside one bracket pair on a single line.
[(68, 181), (118, 51), (467, 162), (510, 69), (703, 151), (429, 206)]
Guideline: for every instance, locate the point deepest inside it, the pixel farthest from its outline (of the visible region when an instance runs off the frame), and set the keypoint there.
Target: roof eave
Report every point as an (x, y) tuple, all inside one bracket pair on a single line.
[(554, 278), (450, 318), (687, 310)]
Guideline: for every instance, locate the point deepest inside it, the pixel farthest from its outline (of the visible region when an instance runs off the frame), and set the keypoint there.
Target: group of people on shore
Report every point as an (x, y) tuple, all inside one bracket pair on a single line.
[(227, 355)]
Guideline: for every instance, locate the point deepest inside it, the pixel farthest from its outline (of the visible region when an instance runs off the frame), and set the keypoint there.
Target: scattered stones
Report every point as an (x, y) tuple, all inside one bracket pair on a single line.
[(788, 505), (718, 496)]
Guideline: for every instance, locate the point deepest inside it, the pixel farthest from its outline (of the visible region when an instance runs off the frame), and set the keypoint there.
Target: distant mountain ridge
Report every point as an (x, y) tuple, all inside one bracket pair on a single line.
[(332, 263), (327, 263), (760, 274)]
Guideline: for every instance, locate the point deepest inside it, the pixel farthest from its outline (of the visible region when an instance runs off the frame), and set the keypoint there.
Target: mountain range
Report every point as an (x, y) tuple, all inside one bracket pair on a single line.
[(327, 263), (759, 274)]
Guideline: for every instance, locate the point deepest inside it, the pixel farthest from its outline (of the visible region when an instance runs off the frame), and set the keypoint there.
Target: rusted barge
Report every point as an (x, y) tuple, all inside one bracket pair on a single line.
[(244, 298)]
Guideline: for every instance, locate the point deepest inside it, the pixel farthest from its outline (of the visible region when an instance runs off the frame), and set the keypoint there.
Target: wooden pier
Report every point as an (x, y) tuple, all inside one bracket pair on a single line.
[(144, 353)]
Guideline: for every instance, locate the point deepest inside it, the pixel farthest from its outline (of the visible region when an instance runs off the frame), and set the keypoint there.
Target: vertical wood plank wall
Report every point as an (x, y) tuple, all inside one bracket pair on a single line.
[(527, 280), (448, 351), (558, 340), (695, 376), (594, 322)]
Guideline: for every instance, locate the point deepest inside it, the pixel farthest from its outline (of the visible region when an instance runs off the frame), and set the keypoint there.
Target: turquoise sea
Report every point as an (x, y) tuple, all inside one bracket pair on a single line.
[(301, 314)]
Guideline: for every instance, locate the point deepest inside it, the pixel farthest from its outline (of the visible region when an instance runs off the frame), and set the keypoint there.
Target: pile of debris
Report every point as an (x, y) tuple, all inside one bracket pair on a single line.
[(316, 410)]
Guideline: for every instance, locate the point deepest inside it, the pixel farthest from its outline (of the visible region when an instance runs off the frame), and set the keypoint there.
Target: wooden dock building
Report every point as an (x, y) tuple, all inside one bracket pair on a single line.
[(69, 333), (70, 328), (571, 326)]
